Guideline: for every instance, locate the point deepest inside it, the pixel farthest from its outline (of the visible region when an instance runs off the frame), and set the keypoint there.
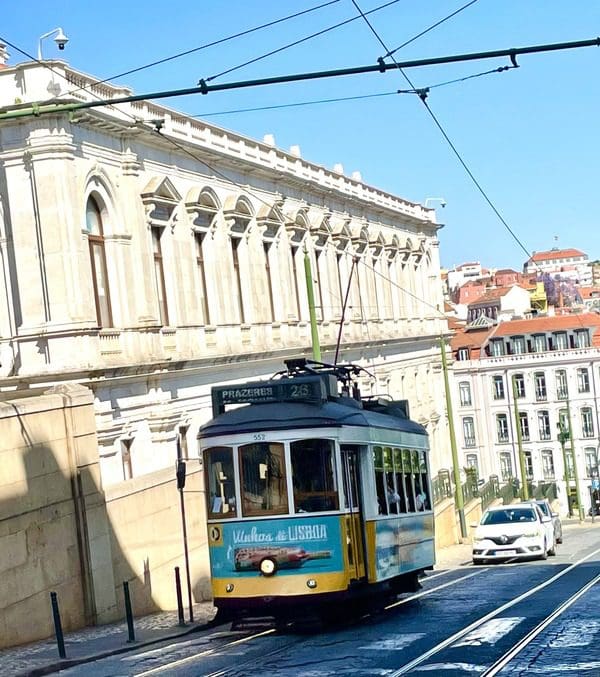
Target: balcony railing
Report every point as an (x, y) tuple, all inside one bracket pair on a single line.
[(470, 442)]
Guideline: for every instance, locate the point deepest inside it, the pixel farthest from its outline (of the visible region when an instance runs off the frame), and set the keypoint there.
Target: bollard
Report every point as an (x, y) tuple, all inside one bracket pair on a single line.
[(128, 612), (179, 597), (60, 639)]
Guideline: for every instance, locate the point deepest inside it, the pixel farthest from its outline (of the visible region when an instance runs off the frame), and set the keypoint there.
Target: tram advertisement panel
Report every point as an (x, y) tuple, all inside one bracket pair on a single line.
[(238, 548), (403, 545)]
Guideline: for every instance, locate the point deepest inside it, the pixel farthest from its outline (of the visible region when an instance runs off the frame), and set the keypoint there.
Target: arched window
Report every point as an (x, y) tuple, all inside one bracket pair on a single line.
[(93, 220)]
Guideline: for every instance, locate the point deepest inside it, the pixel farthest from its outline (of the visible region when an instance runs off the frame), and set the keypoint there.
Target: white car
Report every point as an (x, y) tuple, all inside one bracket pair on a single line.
[(509, 531)]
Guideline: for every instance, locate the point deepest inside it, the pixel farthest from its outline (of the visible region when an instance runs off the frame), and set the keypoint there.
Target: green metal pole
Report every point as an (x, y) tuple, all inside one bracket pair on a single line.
[(460, 501), (577, 491), (314, 330), (524, 485), (562, 436)]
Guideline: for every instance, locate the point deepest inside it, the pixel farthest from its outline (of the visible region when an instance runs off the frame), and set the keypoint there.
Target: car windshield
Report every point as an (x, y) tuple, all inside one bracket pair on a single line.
[(509, 516), (544, 508)]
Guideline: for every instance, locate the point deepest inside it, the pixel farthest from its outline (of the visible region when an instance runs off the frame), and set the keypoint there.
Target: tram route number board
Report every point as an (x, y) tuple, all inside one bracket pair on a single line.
[(306, 389)]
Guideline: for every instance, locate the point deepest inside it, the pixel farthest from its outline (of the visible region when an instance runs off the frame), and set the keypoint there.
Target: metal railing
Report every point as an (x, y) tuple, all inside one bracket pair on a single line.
[(509, 491), (442, 486), (489, 491)]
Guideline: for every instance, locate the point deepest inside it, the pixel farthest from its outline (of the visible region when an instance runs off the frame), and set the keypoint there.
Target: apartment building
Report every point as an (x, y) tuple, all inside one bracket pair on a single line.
[(552, 366)]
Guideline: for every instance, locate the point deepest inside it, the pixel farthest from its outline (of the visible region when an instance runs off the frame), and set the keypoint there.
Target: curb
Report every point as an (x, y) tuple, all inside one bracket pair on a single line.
[(65, 663)]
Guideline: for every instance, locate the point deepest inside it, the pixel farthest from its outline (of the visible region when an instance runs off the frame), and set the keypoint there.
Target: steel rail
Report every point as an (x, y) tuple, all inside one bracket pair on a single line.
[(484, 619), (532, 634)]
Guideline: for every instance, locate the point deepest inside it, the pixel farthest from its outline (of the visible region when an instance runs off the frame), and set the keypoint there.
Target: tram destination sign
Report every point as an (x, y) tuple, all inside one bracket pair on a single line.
[(302, 389)]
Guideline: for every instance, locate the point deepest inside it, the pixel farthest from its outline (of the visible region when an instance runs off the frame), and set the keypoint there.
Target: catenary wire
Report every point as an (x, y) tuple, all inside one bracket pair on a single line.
[(455, 150), (297, 42), (430, 28), (295, 104), (210, 44), (448, 140)]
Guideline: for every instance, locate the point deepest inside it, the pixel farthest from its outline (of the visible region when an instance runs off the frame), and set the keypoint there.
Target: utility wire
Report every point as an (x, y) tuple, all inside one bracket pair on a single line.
[(447, 138), (435, 25), (220, 41), (296, 42), (419, 91)]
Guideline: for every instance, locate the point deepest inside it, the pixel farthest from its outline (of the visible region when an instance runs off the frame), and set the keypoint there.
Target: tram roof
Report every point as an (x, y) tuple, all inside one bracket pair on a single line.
[(292, 415)]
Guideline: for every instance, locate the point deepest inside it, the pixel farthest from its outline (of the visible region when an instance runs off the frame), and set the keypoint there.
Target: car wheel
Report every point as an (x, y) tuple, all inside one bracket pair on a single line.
[(544, 554), (478, 560), (552, 551), (559, 539)]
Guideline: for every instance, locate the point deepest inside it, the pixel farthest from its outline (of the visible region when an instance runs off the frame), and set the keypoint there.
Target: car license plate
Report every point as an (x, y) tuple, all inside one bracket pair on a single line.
[(509, 553)]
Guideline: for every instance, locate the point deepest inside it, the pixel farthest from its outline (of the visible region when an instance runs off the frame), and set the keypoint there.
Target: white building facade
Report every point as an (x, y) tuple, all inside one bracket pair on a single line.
[(151, 265), (555, 364)]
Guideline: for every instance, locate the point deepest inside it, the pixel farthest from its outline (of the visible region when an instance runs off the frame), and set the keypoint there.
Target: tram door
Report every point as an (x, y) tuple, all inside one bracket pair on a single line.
[(354, 520)]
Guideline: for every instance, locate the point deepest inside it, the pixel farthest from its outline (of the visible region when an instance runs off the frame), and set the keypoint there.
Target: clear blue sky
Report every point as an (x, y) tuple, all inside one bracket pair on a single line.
[(530, 135)]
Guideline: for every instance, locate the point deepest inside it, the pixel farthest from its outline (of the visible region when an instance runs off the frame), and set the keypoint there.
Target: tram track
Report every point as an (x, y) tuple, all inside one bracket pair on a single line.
[(423, 661), (228, 645)]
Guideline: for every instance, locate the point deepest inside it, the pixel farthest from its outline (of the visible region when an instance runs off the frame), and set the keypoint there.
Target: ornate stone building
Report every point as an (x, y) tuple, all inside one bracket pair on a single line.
[(149, 255)]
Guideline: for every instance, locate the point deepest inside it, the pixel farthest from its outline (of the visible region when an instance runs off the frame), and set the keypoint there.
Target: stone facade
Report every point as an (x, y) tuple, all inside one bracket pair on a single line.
[(150, 265)]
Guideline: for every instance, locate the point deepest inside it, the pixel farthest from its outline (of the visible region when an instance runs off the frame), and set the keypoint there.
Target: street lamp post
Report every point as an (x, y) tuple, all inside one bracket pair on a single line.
[(524, 484), (574, 457), (563, 436)]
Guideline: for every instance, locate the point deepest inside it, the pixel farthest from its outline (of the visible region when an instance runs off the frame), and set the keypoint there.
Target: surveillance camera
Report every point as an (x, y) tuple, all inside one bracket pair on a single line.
[(61, 39)]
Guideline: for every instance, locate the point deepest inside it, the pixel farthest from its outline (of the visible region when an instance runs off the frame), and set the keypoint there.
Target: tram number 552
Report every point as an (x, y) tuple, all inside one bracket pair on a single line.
[(259, 437)]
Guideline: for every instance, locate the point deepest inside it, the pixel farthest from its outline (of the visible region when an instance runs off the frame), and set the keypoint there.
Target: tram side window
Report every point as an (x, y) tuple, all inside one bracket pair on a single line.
[(313, 475), (264, 486), (219, 482), (423, 499), (380, 484), (400, 480), (391, 490), (409, 479)]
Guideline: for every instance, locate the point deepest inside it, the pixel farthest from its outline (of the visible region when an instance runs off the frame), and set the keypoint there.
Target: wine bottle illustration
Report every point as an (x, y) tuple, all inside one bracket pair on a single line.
[(249, 559)]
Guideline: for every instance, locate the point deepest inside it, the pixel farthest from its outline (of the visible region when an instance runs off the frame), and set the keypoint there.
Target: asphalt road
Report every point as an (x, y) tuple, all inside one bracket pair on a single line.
[(526, 618)]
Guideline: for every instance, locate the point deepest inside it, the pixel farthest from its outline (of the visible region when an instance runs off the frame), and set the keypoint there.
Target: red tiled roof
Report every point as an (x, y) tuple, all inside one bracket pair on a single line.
[(506, 271), (588, 292), (555, 254), (493, 295), (538, 325)]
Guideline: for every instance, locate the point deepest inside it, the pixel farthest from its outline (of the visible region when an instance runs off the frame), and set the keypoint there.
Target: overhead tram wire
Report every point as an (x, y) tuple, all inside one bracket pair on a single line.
[(297, 42), (206, 45), (445, 135), (479, 187), (380, 67), (430, 28), (500, 69)]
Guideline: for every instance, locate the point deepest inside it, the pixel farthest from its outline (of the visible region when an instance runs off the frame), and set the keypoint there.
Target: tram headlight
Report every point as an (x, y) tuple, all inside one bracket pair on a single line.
[(229, 587), (268, 567), (311, 583)]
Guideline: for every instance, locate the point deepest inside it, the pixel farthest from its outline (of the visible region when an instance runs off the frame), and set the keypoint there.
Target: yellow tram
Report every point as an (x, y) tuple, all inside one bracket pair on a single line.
[(314, 494)]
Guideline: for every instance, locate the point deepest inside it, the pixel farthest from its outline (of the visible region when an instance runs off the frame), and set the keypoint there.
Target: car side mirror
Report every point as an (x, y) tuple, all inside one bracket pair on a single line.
[(554, 514), (546, 519)]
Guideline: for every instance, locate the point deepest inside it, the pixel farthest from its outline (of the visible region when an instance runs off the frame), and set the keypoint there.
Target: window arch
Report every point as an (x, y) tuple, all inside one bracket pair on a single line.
[(95, 230)]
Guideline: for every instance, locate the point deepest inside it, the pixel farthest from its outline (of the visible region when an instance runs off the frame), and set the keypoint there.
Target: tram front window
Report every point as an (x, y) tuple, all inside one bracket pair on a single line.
[(220, 485), (313, 476), (264, 486)]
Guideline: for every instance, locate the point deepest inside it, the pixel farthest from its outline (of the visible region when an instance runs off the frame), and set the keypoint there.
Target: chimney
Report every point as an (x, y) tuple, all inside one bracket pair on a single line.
[(269, 139), (295, 151), (338, 168)]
